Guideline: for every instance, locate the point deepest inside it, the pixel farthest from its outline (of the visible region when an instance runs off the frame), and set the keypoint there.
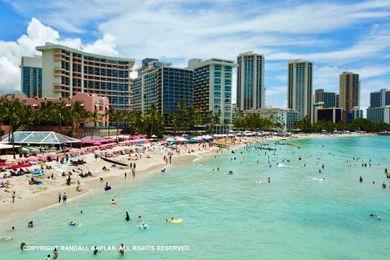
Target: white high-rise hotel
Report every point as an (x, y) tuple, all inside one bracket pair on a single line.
[(300, 87), (250, 81)]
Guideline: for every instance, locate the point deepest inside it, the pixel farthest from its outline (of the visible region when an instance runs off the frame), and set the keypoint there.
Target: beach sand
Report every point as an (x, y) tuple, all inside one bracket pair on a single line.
[(32, 198)]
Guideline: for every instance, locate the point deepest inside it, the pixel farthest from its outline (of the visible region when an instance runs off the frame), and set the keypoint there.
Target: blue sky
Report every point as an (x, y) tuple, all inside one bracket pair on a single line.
[(335, 35)]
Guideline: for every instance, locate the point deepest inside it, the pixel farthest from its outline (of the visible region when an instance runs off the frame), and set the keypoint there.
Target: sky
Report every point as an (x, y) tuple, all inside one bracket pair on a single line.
[(336, 36)]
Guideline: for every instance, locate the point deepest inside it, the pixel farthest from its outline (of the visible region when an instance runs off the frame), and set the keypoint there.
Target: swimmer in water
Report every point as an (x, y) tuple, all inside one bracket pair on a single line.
[(121, 249), (139, 218), (95, 250), (127, 216), (372, 214)]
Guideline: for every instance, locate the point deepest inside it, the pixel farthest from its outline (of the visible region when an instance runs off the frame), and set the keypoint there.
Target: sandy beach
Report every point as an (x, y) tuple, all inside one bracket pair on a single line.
[(149, 161)]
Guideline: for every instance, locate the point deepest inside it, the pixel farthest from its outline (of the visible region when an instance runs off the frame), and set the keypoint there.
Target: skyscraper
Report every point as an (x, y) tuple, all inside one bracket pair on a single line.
[(31, 76), (67, 71), (300, 81), (162, 86), (380, 98), (250, 81), (329, 98), (349, 91), (213, 86)]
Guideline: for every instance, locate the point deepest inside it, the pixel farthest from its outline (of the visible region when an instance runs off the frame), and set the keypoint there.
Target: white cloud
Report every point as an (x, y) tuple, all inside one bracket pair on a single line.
[(183, 29), (105, 46), (39, 34)]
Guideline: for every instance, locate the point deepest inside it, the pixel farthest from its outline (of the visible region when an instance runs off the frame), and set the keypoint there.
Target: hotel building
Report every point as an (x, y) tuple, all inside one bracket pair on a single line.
[(380, 98), (92, 103), (68, 71), (300, 80), (213, 87), (163, 86), (329, 98), (379, 110), (31, 76), (250, 81), (349, 93)]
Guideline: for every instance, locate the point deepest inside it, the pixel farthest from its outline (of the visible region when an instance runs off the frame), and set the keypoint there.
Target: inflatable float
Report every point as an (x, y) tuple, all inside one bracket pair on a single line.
[(177, 221)]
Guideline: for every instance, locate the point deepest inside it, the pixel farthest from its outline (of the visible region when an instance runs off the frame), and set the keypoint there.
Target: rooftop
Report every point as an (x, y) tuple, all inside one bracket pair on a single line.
[(52, 46)]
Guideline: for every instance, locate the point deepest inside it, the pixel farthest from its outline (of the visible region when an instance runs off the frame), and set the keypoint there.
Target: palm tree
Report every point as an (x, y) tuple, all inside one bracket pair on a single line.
[(14, 113), (78, 114), (154, 121), (94, 117)]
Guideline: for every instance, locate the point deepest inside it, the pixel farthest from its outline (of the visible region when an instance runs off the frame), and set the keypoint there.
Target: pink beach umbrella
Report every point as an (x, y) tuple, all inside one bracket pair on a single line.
[(32, 158)]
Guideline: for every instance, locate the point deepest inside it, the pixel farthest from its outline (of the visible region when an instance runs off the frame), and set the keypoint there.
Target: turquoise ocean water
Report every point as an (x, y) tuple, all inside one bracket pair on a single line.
[(296, 216)]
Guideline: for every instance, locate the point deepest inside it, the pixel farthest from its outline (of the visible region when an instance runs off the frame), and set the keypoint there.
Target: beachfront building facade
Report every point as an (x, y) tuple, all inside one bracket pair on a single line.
[(357, 113), (300, 85), (286, 118), (250, 81), (349, 93), (213, 87), (380, 98), (31, 76), (92, 103), (163, 87), (67, 71), (379, 114), (332, 114), (379, 110), (329, 98)]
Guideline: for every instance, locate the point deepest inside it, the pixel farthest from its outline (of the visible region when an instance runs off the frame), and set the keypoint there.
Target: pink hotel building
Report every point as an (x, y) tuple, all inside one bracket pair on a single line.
[(92, 103), (67, 71)]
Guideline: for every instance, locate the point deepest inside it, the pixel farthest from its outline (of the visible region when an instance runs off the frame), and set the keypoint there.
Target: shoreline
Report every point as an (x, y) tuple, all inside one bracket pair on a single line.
[(38, 200)]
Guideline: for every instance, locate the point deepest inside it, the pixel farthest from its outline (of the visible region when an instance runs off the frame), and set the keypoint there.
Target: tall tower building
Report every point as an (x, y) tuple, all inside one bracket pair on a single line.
[(163, 86), (250, 81), (67, 71), (349, 91), (300, 87), (213, 87), (31, 72)]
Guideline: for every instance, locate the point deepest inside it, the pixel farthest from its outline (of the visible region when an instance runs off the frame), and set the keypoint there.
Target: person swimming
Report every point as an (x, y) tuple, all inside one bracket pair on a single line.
[(127, 216), (139, 218), (121, 249), (113, 202), (72, 223), (372, 214), (95, 250)]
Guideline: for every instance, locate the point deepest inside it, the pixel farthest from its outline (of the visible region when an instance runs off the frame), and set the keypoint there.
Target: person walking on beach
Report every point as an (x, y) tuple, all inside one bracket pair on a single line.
[(64, 197), (125, 175), (13, 196), (133, 172), (59, 197)]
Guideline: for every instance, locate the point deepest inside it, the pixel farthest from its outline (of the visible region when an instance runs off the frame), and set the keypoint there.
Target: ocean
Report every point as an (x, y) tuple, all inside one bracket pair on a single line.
[(300, 214)]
